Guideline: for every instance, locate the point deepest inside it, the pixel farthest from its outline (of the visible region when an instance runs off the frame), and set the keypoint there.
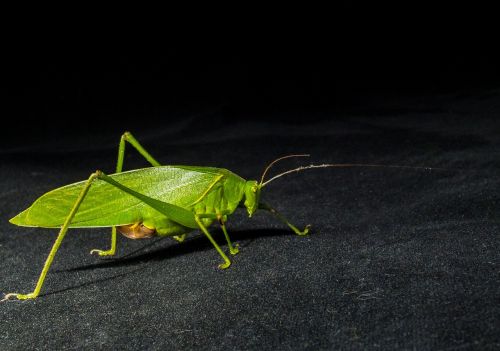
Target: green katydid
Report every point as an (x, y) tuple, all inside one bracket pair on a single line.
[(159, 200)]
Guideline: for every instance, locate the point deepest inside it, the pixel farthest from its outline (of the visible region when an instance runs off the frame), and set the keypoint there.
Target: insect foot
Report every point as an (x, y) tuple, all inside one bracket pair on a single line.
[(180, 238), (234, 250), (225, 265), (103, 252), (18, 296), (304, 232)]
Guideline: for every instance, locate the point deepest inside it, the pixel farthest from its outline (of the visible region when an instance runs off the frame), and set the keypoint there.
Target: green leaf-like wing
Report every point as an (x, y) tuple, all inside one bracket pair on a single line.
[(106, 205)]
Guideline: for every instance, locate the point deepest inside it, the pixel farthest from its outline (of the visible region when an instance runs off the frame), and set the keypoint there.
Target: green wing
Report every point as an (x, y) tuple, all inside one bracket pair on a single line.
[(106, 205)]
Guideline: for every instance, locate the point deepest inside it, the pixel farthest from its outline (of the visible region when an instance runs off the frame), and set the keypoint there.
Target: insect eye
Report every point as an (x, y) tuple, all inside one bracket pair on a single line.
[(254, 189)]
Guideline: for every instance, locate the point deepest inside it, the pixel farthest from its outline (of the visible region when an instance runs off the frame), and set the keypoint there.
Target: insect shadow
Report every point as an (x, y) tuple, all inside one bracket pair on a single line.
[(194, 244)]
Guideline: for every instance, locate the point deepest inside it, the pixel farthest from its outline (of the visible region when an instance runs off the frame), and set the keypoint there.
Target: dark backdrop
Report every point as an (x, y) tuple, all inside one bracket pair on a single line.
[(397, 259), (62, 85)]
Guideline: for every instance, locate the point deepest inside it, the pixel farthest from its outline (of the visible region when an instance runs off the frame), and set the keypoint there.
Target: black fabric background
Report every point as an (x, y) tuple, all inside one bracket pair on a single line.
[(396, 259)]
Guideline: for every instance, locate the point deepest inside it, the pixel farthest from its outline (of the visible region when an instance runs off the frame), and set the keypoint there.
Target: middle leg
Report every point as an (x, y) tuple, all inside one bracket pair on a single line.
[(205, 231), (232, 249)]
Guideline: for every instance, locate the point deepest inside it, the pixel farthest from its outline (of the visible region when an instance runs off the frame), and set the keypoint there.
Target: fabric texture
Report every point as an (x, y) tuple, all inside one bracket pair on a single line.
[(396, 258)]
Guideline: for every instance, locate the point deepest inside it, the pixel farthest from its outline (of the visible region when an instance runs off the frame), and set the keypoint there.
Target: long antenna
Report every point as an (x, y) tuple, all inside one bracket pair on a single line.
[(342, 165), (279, 159)]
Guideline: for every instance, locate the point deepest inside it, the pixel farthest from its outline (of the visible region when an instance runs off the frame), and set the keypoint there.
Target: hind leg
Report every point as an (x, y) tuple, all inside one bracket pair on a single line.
[(126, 137), (57, 243)]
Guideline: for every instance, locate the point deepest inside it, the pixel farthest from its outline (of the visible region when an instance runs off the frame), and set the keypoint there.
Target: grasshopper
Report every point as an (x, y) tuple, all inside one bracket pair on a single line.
[(142, 203)]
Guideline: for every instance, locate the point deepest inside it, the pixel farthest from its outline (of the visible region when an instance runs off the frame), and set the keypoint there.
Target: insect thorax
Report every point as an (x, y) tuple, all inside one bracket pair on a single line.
[(223, 198)]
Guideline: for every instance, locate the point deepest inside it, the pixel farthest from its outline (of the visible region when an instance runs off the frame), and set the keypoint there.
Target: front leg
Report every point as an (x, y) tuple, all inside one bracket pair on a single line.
[(266, 207)]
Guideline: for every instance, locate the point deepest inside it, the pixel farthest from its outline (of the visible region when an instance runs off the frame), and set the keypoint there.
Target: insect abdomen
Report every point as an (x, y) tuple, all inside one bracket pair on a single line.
[(136, 231)]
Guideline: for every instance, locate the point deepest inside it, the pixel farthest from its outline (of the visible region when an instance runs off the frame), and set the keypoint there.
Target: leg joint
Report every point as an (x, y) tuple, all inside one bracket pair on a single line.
[(126, 135)]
